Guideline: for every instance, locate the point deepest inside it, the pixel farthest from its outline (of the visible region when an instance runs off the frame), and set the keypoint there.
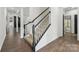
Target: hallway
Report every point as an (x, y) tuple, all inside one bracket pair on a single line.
[(13, 43), (39, 26), (68, 43)]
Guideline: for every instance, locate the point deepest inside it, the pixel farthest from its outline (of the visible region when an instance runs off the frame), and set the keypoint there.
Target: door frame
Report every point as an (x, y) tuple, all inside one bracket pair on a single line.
[(63, 24), (70, 24), (76, 23)]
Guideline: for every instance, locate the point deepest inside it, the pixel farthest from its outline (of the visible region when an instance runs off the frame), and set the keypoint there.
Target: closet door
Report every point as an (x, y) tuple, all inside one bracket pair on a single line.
[(14, 21), (75, 24)]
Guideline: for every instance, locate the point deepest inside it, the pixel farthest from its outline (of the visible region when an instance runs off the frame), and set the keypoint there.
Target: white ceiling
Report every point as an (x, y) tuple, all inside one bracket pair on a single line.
[(66, 9), (12, 10)]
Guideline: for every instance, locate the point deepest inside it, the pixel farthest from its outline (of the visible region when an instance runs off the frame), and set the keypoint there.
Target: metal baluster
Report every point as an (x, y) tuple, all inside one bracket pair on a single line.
[(33, 31), (24, 30)]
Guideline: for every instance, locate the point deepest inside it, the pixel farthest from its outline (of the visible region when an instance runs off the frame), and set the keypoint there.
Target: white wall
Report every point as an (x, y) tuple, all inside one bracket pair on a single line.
[(2, 26), (78, 26), (28, 14), (33, 13), (72, 13), (25, 14), (55, 29), (22, 24)]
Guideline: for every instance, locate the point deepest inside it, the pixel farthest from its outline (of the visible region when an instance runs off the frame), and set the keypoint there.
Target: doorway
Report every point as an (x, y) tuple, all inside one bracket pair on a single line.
[(14, 23), (75, 24), (66, 24), (63, 25), (19, 25)]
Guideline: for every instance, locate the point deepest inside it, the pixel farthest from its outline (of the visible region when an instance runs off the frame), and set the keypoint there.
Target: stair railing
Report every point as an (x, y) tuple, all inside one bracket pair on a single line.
[(34, 26)]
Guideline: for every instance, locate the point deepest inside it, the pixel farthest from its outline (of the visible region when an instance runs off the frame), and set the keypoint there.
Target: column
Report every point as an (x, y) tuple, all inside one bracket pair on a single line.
[(22, 24), (16, 23)]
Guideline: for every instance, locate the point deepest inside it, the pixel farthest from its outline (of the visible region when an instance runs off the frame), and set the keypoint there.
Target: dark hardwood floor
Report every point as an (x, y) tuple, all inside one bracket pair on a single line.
[(13, 43), (68, 43)]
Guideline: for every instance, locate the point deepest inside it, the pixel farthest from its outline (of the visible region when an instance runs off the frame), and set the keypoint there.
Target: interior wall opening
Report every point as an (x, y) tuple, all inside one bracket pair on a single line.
[(69, 26), (13, 21)]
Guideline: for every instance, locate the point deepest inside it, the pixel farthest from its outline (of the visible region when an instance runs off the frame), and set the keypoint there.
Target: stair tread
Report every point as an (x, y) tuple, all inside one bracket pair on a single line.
[(29, 39)]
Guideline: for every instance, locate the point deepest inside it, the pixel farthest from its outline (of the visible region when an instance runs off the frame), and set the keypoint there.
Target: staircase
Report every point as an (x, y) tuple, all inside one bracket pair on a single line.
[(38, 30), (41, 28)]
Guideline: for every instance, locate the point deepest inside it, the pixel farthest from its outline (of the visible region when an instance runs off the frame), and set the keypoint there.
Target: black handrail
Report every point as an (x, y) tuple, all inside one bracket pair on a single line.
[(34, 19), (33, 31), (40, 14), (37, 16), (24, 30), (34, 26), (42, 18)]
